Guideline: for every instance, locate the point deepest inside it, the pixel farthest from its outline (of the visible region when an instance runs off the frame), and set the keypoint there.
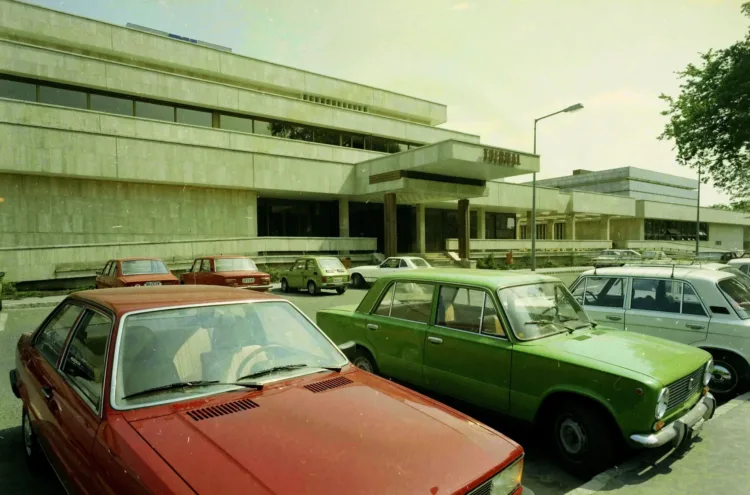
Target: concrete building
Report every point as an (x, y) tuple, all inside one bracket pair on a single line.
[(118, 141)]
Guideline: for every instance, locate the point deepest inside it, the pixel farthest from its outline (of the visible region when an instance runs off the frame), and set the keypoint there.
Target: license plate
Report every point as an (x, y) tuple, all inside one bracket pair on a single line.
[(342, 279), (248, 280), (152, 283)]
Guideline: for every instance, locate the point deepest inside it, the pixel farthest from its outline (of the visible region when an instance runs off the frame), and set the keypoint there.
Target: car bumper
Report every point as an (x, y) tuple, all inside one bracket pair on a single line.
[(683, 428), (13, 375), (258, 287), (334, 285)]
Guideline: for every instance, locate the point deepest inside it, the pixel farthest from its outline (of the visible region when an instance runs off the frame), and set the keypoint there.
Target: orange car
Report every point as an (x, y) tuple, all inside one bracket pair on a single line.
[(229, 271), (133, 272)]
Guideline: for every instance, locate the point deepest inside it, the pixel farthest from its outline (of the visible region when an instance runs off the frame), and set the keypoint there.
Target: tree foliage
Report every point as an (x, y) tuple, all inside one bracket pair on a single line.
[(709, 121)]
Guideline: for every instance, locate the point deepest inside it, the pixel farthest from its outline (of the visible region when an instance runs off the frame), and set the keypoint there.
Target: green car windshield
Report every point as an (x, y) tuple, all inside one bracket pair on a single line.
[(539, 310)]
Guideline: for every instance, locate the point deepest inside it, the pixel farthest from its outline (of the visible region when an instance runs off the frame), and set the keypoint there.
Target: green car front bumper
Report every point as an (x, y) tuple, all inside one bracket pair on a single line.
[(681, 429)]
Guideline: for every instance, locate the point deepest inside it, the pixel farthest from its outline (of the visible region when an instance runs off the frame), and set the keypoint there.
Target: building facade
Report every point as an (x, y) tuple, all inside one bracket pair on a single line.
[(118, 141)]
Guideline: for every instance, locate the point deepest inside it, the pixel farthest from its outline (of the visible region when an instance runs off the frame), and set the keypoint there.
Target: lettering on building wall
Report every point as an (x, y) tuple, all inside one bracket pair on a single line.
[(501, 157)]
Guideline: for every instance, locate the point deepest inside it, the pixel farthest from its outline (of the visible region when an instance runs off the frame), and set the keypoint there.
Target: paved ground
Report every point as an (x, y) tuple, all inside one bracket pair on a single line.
[(715, 457)]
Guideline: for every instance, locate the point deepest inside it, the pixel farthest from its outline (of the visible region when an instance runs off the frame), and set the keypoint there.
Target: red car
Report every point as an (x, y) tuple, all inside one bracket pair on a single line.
[(133, 272), (213, 390), (229, 271)]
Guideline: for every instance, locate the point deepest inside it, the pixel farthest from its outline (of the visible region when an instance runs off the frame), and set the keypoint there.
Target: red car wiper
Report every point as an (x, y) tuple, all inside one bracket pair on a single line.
[(195, 384)]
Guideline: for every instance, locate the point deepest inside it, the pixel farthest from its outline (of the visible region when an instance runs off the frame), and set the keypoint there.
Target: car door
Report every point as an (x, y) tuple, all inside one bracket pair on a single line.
[(294, 276), (666, 308), (603, 299), (388, 266), (203, 275), (188, 278), (396, 329), (311, 272), (48, 386), (80, 403), (99, 284), (115, 272), (467, 354)]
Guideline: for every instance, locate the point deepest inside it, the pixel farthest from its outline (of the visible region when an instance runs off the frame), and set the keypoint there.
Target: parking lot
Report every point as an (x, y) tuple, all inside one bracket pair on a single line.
[(714, 455)]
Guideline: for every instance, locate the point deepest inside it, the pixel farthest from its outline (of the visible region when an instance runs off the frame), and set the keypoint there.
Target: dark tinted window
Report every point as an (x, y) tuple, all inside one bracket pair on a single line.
[(17, 90), (51, 339), (85, 360), (263, 127), (154, 111), (605, 292), (111, 104), (193, 117), (691, 305), (327, 136), (233, 123), (62, 97), (656, 295)]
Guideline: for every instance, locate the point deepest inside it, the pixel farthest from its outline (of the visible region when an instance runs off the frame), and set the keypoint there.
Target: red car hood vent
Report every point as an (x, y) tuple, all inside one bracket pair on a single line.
[(222, 409), (328, 384)]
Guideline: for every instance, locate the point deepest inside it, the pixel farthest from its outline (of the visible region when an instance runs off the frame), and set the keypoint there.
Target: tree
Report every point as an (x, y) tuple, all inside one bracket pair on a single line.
[(739, 205), (709, 121)]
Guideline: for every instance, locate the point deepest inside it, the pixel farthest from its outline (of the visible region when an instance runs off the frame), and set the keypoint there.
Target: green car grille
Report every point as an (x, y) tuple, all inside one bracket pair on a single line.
[(684, 388)]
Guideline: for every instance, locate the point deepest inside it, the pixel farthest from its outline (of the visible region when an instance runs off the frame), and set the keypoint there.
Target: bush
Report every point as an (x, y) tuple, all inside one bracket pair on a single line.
[(487, 263), (9, 289)]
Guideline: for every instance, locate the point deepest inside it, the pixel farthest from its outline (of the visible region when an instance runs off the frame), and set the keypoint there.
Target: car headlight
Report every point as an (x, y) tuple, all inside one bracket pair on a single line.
[(508, 480), (661, 403), (709, 372)]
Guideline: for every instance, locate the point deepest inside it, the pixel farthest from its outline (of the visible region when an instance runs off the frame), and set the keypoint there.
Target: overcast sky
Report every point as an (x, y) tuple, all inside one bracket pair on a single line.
[(497, 64)]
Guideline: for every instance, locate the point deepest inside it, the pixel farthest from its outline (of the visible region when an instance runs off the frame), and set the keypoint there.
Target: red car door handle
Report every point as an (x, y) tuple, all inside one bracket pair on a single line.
[(47, 392)]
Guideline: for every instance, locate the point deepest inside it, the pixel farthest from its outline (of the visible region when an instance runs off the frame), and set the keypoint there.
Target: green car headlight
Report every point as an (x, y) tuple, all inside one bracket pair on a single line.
[(508, 480), (661, 403), (709, 372)]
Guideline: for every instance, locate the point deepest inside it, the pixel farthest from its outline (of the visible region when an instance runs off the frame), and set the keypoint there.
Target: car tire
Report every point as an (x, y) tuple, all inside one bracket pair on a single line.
[(584, 439), (733, 376), (284, 285), (340, 290), (32, 451), (312, 289), (358, 281), (363, 360)]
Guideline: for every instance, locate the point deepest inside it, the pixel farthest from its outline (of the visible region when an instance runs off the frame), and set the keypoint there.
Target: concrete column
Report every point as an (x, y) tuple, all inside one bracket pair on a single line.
[(463, 229), (528, 225), (641, 229), (604, 228), (343, 218), (570, 227), (251, 214), (551, 229), (481, 218), (421, 245), (518, 226), (390, 230)]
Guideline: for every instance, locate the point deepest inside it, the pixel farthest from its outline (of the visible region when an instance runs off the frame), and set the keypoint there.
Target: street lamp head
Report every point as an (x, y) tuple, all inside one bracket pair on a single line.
[(573, 108)]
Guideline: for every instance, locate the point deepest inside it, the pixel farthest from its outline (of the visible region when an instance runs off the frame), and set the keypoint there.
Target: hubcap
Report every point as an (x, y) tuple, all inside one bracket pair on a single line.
[(283, 285), (572, 436), (723, 378), (364, 364), (28, 435)]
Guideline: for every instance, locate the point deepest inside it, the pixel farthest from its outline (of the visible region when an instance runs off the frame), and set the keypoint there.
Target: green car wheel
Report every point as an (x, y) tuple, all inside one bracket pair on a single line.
[(312, 289)]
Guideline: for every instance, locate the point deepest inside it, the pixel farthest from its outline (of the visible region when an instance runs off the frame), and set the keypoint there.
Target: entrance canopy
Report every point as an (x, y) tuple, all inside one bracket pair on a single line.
[(442, 171)]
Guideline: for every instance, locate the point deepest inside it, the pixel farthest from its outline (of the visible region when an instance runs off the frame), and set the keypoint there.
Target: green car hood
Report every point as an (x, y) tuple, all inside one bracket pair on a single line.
[(660, 359)]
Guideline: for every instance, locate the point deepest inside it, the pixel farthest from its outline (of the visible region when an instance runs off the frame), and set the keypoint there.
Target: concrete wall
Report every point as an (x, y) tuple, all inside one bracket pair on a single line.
[(588, 230), (525, 244), (666, 211), (621, 229), (722, 236), (39, 210)]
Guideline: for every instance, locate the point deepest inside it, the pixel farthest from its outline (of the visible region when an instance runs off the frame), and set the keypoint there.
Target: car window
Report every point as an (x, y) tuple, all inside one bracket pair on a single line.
[(390, 263), (419, 263), (331, 265), (491, 322), (737, 290), (112, 269), (605, 292), (51, 339), (311, 265), (691, 305), (578, 290), (196, 266), (144, 267), (299, 266), (206, 265), (407, 301), (105, 270), (460, 308), (656, 295), (403, 264), (234, 264), (84, 361)]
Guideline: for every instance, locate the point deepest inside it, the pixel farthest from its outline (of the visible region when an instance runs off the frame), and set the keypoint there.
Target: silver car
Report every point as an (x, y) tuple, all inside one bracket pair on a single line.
[(705, 307), (616, 257), (363, 275)]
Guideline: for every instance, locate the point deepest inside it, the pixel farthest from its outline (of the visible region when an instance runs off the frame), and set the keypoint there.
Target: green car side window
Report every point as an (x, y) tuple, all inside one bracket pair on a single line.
[(460, 308), (410, 301)]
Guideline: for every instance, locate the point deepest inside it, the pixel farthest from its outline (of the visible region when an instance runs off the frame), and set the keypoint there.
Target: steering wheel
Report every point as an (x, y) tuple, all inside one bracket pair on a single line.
[(254, 353), (588, 294)]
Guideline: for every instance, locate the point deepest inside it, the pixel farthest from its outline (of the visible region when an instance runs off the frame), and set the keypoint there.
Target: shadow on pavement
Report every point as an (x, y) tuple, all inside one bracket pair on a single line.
[(15, 477)]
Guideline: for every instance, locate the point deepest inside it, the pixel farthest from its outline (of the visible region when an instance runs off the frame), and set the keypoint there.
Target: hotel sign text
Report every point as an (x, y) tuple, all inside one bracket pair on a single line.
[(500, 157)]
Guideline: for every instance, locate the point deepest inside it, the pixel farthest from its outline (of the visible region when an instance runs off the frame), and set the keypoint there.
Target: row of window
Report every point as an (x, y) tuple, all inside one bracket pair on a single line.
[(673, 230), (542, 231), (334, 103), (36, 91)]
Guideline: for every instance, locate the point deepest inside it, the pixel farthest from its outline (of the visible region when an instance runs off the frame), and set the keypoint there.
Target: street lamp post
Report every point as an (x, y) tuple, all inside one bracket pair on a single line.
[(571, 108), (698, 216)]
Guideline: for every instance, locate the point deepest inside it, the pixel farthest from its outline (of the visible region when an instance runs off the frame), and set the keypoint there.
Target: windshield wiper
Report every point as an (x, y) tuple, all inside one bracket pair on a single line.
[(539, 322), (195, 384), (287, 367)]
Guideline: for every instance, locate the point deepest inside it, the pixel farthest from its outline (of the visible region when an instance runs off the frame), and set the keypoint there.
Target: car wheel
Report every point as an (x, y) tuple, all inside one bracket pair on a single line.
[(284, 285), (358, 281), (312, 289), (340, 290), (584, 439), (730, 377), (31, 449), (364, 361)]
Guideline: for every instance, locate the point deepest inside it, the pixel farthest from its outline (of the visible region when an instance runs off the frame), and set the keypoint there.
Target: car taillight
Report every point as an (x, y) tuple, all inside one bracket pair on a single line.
[(324, 279)]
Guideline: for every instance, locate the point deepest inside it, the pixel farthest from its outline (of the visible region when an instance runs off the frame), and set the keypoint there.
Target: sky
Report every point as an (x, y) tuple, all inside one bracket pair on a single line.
[(496, 64)]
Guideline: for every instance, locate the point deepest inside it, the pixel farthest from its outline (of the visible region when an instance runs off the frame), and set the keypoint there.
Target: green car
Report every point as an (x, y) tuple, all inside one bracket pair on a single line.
[(315, 273), (521, 345)]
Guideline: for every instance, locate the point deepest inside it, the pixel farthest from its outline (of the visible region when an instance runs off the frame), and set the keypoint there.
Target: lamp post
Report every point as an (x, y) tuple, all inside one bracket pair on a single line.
[(571, 108), (698, 216)]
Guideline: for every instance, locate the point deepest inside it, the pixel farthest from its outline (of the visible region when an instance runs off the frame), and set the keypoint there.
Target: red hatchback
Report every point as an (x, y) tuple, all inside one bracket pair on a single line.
[(213, 390), (229, 271), (134, 272)]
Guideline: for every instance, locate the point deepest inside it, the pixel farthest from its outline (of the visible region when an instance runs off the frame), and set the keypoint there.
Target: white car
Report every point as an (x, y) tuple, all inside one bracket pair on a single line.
[(742, 264), (363, 275)]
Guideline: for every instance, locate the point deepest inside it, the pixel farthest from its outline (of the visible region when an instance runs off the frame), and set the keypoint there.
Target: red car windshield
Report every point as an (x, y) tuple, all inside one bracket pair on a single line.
[(235, 265)]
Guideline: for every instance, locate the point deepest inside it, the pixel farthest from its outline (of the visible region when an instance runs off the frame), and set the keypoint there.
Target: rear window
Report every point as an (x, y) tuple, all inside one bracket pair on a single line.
[(737, 291), (419, 263), (234, 264), (144, 267), (331, 264)]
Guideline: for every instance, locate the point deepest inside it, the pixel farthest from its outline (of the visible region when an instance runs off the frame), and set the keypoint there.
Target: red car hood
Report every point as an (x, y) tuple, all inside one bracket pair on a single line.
[(366, 437), (152, 277)]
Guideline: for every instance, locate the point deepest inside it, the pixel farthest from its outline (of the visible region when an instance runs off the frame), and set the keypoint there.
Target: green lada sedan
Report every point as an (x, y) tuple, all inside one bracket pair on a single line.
[(521, 345)]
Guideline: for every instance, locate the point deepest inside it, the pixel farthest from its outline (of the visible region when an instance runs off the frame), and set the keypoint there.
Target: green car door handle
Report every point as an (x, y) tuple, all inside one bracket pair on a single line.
[(435, 340), (693, 326), (372, 326)]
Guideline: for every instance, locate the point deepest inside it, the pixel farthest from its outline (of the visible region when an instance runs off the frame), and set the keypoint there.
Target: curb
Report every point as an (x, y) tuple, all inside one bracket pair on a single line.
[(27, 305), (600, 481)]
